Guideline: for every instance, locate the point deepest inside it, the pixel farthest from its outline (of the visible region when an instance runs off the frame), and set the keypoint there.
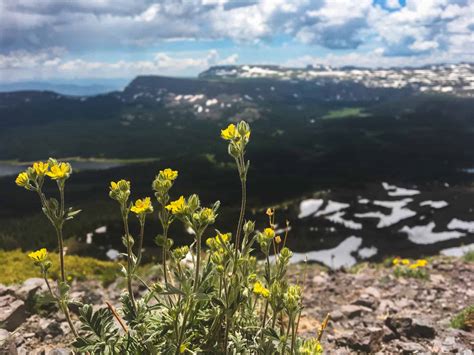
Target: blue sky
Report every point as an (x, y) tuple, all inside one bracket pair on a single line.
[(69, 39)]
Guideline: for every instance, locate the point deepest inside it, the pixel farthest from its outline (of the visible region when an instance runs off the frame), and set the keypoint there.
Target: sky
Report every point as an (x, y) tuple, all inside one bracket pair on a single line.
[(77, 39)]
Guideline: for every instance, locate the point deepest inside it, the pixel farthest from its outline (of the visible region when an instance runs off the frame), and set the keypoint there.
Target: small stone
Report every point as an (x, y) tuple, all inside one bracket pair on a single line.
[(59, 351), (48, 327), (30, 287), (7, 343), (365, 340), (374, 292), (410, 328), (12, 312), (351, 311), (6, 290), (336, 315), (411, 347), (319, 280), (367, 301)]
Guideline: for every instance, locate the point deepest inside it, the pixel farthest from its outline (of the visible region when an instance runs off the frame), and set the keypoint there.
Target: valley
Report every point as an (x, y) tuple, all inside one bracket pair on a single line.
[(325, 137)]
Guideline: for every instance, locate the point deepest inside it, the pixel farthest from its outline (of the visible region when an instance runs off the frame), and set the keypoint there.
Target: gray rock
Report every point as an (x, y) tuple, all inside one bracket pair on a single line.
[(364, 340), (6, 290), (12, 312), (367, 300), (30, 287), (60, 351), (7, 343), (336, 315), (352, 311), (411, 347), (48, 328), (410, 328)]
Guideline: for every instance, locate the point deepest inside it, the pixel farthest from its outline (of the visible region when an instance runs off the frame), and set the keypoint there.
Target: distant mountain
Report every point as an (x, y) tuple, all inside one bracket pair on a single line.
[(79, 88), (457, 79), (149, 114)]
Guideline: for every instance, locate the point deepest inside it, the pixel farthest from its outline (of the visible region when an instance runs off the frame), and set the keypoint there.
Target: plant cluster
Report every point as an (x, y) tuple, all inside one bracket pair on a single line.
[(220, 300), (464, 319), (410, 268)]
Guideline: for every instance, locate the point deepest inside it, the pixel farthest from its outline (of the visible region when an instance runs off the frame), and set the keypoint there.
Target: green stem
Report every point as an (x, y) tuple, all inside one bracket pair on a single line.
[(293, 336), (59, 231), (140, 243), (165, 249), (227, 321), (183, 327), (198, 259), (59, 234), (65, 309), (45, 276), (243, 177), (129, 257)]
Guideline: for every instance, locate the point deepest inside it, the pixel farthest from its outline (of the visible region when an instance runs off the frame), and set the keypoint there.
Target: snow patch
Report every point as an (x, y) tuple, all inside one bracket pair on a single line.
[(365, 253), (425, 234), (459, 224), (211, 102), (309, 207), (337, 218), (395, 191), (434, 204), (458, 251), (112, 254), (340, 256), (332, 207), (398, 213), (101, 230)]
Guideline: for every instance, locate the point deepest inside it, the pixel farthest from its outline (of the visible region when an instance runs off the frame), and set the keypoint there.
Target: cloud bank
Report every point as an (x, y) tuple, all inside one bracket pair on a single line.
[(56, 37)]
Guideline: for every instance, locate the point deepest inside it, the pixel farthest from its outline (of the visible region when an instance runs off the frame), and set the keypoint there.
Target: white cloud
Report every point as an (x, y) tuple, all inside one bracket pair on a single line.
[(51, 64), (424, 45), (393, 4), (422, 29), (376, 58)]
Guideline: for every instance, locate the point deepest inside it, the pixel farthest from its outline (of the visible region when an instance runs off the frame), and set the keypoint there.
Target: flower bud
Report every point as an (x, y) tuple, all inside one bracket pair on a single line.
[(249, 227)]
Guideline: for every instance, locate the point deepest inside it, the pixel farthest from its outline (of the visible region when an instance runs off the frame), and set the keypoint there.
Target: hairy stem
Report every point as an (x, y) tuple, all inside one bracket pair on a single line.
[(59, 234), (65, 308), (140, 243), (165, 250), (198, 260), (129, 257), (243, 177)]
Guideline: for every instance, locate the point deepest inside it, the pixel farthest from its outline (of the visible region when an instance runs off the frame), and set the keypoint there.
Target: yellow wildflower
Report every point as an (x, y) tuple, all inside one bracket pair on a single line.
[(113, 186), (207, 215), (142, 206), (39, 255), (168, 174), (278, 239), (422, 262), (413, 266), (260, 290), (405, 262), (40, 168), (229, 133), (178, 206), (218, 240), (269, 212), (396, 261), (59, 171), (22, 179), (122, 185), (269, 233)]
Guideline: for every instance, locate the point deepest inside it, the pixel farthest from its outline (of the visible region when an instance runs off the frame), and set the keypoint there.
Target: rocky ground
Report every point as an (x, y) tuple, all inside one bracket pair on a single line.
[(372, 311)]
